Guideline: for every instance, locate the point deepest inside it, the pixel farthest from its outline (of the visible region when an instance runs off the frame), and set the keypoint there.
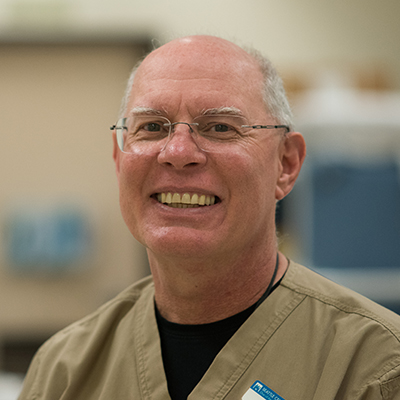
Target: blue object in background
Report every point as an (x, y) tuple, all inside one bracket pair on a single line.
[(356, 214), (40, 240), (345, 219)]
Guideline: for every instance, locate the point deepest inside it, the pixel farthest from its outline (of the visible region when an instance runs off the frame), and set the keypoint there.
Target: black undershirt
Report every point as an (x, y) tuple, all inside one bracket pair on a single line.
[(189, 350)]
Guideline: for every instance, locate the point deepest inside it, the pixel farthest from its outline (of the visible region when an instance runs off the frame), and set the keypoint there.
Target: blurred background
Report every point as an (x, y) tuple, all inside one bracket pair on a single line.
[(64, 249)]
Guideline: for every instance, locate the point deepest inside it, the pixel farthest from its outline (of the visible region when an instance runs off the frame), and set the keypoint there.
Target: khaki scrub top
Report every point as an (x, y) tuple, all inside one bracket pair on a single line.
[(309, 340)]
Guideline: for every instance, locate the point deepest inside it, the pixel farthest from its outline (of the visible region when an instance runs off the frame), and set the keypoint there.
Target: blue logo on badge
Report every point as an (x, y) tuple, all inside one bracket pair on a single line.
[(265, 392)]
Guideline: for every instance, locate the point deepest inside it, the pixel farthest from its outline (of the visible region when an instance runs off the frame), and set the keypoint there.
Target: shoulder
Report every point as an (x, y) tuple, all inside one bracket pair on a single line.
[(363, 337), (325, 292), (111, 313), (100, 335)]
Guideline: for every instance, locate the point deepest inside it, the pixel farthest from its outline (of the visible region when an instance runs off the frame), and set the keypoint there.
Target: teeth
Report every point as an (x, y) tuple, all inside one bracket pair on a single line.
[(195, 199), (176, 198), (186, 198), (185, 201)]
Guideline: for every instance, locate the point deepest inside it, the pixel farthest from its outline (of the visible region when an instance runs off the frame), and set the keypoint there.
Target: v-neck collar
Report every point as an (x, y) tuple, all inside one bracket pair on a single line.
[(229, 365)]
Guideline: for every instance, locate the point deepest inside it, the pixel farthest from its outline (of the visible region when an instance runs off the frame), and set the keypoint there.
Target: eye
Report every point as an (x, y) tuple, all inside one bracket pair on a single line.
[(148, 128), (152, 127), (221, 128)]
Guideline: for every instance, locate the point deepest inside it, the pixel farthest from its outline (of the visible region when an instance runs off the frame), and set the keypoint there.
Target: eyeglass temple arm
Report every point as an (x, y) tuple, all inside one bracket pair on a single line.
[(267, 127), (115, 126)]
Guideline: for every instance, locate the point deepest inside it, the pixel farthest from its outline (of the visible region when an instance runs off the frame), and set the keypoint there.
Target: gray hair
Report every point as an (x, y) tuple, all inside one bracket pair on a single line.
[(274, 94), (127, 94)]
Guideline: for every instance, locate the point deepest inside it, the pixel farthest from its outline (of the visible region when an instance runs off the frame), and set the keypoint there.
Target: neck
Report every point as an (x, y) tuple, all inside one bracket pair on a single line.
[(199, 292)]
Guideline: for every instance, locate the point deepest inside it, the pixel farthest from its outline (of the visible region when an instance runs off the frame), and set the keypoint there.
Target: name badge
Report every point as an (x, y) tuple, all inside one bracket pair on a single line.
[(258, 391)]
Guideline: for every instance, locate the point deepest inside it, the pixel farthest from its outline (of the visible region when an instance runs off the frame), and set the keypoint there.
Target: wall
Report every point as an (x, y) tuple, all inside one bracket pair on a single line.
[(298, 35), (57, 102)]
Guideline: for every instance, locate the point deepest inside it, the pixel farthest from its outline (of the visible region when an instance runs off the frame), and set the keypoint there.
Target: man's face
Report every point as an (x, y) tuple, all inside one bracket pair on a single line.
[(180, 81)]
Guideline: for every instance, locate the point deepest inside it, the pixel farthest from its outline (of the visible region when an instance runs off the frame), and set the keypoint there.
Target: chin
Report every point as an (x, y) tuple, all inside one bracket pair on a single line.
[(176, 243)]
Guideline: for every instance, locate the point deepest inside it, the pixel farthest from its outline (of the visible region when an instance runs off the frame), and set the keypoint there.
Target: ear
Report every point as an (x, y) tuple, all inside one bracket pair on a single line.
[(116, 154), (292, 154)]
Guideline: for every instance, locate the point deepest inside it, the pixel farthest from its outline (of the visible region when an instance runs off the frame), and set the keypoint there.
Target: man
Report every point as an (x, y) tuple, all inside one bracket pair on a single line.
[(203, 151)]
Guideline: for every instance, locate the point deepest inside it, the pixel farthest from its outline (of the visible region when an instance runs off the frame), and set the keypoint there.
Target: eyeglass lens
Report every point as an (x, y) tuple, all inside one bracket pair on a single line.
[(151, 134)]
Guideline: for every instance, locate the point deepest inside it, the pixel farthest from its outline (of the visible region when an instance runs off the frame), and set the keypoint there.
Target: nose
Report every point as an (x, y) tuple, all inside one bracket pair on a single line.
[(181, 150)]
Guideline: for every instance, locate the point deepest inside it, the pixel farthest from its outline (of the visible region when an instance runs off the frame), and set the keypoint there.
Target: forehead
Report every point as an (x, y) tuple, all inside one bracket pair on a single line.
[(198, 75)]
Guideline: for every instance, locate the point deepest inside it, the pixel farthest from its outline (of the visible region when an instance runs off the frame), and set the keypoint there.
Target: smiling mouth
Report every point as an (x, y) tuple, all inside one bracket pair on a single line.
[(186, 200)]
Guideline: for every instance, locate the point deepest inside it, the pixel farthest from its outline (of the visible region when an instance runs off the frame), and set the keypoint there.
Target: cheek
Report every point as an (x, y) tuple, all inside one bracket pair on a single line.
[(131, 178), (251, 203), (128, 180), (132, 171), (255, 173), (128, 205)]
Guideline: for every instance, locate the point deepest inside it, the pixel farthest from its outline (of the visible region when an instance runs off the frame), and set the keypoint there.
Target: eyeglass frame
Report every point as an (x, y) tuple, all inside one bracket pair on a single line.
[(258, 126), (170, 125)]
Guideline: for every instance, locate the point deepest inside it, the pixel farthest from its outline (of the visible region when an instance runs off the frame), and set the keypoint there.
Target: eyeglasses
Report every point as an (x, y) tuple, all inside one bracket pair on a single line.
[(148, 134)]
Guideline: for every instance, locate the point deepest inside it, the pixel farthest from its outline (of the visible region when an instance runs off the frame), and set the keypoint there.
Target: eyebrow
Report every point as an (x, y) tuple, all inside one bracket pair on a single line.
[(223, 111), (144, 111)]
